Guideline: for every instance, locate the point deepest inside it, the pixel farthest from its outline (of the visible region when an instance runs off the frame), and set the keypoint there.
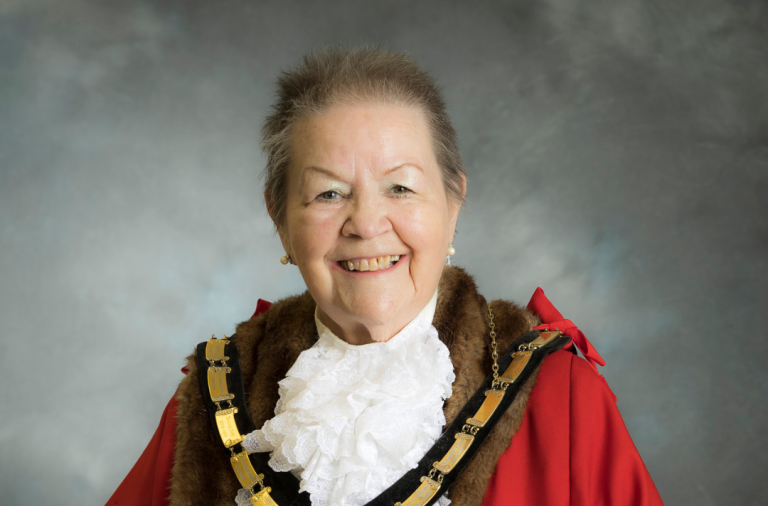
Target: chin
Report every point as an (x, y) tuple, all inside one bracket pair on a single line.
[(372, 309)]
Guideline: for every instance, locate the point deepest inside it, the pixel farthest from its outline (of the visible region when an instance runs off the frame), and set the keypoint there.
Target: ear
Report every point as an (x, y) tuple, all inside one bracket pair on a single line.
[(269, 201), (285, 240), (281, 230), (455, 207)]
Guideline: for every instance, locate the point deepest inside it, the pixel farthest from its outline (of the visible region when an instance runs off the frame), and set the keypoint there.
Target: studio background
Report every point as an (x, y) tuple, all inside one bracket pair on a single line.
[(617, 154)]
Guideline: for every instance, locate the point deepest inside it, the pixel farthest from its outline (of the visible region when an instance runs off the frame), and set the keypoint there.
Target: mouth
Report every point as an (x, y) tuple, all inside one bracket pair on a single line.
[(370, 264)]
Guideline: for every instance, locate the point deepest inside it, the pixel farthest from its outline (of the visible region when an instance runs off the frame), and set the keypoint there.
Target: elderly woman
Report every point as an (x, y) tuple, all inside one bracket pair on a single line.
[(391, 380)]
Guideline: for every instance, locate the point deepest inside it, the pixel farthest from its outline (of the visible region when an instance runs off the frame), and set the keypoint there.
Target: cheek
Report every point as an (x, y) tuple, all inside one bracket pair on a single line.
[(314, 234), (329, 226), (423, 229)]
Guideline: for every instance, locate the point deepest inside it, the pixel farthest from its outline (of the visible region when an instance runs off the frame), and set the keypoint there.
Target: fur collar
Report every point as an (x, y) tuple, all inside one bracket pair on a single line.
[(270, 344)]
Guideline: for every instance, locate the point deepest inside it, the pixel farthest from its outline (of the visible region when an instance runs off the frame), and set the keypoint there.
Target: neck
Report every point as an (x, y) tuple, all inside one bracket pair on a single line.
[(356, 332)]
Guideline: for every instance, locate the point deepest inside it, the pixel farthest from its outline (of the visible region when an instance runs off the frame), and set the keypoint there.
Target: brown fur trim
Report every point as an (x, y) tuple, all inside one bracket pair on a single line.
[(199, 466), (270, 344)]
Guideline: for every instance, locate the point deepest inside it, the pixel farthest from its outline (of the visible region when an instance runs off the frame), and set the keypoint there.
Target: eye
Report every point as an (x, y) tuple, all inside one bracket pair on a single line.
[(400, 190), (329, 195)]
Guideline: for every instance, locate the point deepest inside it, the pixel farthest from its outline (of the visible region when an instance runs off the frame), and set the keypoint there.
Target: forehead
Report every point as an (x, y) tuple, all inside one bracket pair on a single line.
[(363, 136)]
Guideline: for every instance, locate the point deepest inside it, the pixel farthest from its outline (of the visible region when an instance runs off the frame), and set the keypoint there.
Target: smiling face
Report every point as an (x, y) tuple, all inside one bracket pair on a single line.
[(367, 219)]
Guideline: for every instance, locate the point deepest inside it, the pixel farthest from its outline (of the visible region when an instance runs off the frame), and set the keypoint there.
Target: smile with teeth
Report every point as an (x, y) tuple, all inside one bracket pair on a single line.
[(370, 264)]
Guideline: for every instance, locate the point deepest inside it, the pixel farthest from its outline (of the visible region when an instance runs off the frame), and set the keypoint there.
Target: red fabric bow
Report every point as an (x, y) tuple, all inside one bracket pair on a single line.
[(261, 307), (552, 320)]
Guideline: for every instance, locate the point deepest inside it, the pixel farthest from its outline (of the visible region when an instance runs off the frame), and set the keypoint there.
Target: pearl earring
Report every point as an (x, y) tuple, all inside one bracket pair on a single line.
[(451, 252), (286, 259)]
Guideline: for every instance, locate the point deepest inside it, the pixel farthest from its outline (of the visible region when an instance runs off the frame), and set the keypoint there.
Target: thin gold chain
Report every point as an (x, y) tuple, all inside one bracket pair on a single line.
[(495, 353), (470, 429)]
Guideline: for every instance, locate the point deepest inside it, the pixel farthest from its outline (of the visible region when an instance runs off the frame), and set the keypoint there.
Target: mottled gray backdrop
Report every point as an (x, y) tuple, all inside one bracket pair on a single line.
[(617, 155)]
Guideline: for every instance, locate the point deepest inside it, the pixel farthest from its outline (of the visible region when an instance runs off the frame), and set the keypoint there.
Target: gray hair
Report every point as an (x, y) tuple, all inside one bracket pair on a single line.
[(336, 75)]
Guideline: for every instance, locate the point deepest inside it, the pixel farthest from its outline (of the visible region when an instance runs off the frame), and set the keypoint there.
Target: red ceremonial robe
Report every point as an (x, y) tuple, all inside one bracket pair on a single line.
[(572, 447)]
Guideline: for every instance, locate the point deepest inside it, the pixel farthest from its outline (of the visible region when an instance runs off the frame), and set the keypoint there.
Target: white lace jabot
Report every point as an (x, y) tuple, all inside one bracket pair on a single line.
[(351, 420)]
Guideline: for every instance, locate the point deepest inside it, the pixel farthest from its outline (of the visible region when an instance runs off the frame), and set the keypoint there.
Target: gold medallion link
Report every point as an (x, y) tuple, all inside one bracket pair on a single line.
[(225, 422), (214, 349), (246, 474), (492, 400), (262, 498), (519, 361), (423, 494), (455, 453), (543, 339), (217, 384)]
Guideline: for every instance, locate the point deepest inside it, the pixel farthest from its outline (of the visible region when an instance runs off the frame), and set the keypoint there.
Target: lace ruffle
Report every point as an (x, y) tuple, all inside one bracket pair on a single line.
[(351, 420)]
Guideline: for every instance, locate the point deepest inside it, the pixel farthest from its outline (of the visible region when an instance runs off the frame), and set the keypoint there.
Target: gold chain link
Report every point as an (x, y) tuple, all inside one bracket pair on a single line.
[(495, 353)]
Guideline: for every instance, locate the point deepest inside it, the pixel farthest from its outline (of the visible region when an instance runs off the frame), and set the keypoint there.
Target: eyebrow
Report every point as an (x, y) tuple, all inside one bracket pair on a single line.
[(333, 175), (406, 164), (303, 180), (324, 171)]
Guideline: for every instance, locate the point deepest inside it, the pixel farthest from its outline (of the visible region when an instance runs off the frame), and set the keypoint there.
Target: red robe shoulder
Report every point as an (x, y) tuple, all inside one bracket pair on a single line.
[(572, 448), (149, 481)]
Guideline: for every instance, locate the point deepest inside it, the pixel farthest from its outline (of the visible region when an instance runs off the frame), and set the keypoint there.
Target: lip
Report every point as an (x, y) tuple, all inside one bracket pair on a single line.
[(352, 259), (336, 266)]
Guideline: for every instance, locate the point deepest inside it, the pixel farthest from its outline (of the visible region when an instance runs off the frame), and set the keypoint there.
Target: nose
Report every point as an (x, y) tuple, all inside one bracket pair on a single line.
[(367, 219)]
